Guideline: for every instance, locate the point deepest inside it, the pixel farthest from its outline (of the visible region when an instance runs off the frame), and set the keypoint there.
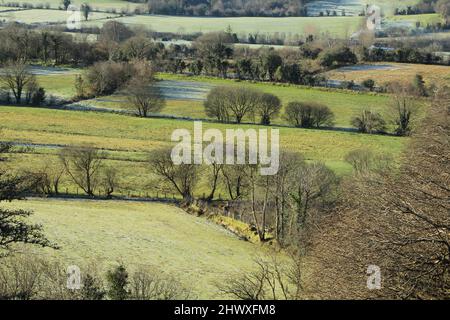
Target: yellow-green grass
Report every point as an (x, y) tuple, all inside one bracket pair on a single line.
[(183, 108), (42, 16), (389, 6), (424, 19), (336, 26), (399, 72), (61, 85), (344, 104), (135, 178), (95, 4), (195, 251), (126, 133)]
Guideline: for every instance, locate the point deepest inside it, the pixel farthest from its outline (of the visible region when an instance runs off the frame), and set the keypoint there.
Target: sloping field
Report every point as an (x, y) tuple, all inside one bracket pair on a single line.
[(131, 134), (344, 104), (97, 4), (193, 250), (43, 16)]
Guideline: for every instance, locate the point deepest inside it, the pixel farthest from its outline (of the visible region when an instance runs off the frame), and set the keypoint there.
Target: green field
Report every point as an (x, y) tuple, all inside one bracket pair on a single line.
[(289, 27), (42, 16), (424, 19), (243, 25), (344, 104), (103, 5), (58, 85), (197, 252), (129, 135)]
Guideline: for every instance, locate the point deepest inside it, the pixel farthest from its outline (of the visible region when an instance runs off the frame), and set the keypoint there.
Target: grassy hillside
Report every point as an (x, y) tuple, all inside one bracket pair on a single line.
[(133, 137), (193, 250), (95, 4), (42, 15), (343, 104), (245, 25)]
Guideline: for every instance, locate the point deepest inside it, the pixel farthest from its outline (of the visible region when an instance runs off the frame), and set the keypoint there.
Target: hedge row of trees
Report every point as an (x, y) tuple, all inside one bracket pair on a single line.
[(229, 8), (427, 6), (405, 55), (212, 54), (233, 103)]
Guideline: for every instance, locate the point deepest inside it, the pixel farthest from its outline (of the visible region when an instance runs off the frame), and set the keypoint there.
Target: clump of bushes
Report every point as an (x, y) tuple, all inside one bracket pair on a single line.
[(309, 115), (369, 122)]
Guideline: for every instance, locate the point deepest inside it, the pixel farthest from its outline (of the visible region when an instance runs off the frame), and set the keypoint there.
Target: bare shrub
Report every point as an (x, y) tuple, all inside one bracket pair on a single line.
[(273, 279), (150, 284)]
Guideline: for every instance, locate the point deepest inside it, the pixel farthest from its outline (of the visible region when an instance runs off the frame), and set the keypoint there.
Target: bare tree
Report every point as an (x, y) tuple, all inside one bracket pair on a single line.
[(181, 178), (398, 221), (242, 102), (83, 165), (259, 204), (274, 278), (115, 31), (314, 184), (322, 116), (268, 107), (308, 114), (144, 97), (404, 109), (281, 184), (215, 105), (48, 179), (213, 178), (214, 48), (110, 180), (235, 181), (369, 122), (15, 77), (231, 101), (150, 284), (365, 160)]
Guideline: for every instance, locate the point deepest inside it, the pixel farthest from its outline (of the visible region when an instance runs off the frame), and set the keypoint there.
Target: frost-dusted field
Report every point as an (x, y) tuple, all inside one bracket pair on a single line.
[(45, 16), (193, 250)]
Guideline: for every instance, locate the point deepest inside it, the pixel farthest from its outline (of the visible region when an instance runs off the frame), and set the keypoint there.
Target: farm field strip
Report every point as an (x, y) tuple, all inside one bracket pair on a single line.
[(185, 96), (47, 16), (123, 133)]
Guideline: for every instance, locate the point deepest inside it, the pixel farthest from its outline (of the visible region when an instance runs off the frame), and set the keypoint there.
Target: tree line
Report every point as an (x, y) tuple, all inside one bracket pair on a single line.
[(229, 8)]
